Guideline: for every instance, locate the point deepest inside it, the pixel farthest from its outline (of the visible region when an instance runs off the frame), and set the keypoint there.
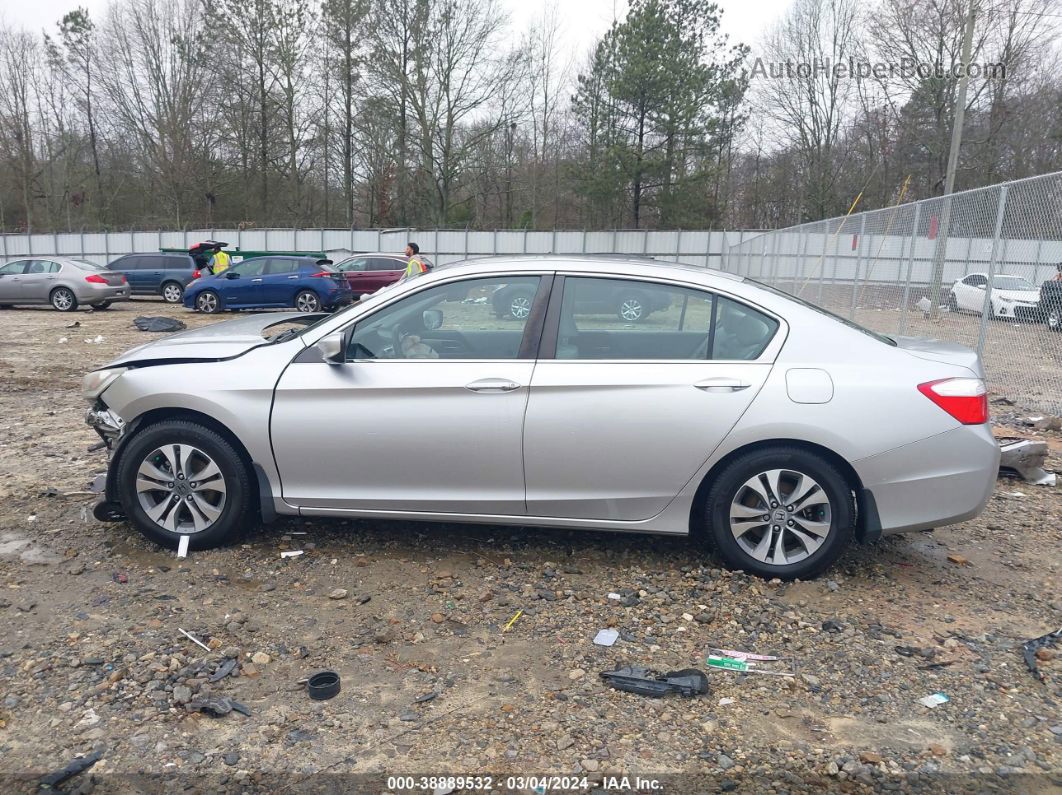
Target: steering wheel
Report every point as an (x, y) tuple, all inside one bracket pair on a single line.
[(396, 341)]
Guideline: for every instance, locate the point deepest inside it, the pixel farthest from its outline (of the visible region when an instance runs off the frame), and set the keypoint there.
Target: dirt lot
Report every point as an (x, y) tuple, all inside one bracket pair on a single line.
[(91, 656)]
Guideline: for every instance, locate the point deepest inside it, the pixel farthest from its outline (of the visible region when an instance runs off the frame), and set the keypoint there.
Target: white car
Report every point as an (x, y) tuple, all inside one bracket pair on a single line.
[(1012, 296)]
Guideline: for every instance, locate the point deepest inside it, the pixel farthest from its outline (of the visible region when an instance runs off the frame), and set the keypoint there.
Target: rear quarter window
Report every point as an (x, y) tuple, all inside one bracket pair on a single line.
[(740, 332)]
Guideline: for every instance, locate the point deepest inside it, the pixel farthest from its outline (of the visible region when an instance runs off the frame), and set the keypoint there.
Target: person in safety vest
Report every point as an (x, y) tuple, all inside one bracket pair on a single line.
[(220, 261), (415, 266)]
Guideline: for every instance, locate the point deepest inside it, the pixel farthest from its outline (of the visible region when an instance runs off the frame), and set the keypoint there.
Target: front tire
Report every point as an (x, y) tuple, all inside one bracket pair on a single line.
[(307, 301), (172, 293), (179, 478), (63, 299), (208, 302), (808, 508)]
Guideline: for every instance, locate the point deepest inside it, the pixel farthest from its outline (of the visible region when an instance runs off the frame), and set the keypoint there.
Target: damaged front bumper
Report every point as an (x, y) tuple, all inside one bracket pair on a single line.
[(111, 429)]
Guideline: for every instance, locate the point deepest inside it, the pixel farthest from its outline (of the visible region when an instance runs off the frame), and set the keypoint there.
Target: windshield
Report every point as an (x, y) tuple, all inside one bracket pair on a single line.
[(1011, 283), (826, 312)]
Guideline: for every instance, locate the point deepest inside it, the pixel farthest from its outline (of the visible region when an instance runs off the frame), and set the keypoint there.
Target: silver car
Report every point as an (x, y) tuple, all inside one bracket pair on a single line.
[(64, 283), (783, 431)]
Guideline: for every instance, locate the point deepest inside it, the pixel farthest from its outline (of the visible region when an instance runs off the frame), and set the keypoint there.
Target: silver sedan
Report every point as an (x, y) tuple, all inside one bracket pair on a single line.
[(64, 283), (784, 432)]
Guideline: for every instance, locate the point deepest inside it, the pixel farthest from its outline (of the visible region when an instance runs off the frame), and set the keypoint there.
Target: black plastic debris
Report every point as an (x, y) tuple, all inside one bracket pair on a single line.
[(646, 682), (53, 780), (224, 670), (1030, 647), (159, 324), (217, 707)]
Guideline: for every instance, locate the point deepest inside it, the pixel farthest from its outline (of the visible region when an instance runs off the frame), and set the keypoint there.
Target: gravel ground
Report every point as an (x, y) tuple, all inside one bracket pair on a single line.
[(413, 618)]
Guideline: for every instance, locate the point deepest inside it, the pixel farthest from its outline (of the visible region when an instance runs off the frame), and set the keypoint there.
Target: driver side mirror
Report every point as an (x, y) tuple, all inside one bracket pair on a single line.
[(331, 347), (433, 319), (232, 275)]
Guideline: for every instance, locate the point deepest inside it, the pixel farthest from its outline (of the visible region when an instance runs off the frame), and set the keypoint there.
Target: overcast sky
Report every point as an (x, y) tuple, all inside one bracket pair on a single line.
[(582, 21)]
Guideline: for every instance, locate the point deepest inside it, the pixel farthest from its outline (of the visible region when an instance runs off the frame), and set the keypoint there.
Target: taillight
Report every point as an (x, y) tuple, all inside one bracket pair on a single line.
[(95, 278), (966, 399), (321, 275), (196, 274), (123, 278)]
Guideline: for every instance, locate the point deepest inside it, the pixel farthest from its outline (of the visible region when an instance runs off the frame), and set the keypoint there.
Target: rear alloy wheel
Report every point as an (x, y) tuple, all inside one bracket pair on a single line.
[(1053, 318), (208, 302), (63, 299), (307, 301), (172, 293), (632, 308), (520, 305), (178, 479), (780, 512)]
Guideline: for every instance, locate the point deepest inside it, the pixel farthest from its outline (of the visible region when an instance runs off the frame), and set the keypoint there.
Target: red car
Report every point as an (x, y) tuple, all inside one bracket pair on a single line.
[(367, 273)]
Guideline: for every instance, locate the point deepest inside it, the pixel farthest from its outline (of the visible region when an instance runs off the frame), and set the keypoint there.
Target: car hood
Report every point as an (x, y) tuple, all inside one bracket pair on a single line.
[(1030, 296), (222, 340)]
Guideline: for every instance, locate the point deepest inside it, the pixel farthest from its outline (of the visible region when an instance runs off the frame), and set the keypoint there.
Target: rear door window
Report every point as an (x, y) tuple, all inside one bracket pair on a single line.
[(384, 264), (279, 266)]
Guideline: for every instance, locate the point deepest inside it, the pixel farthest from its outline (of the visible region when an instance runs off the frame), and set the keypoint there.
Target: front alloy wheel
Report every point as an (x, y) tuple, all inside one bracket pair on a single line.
[(208, 302), (180, 488), (179, 478)]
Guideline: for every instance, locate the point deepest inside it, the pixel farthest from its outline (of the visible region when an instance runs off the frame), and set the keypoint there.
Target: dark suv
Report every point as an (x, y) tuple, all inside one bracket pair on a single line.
[(162, 274)]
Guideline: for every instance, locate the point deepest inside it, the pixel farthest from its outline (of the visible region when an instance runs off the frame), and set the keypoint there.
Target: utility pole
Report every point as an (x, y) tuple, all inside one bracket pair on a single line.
[(940, 250)]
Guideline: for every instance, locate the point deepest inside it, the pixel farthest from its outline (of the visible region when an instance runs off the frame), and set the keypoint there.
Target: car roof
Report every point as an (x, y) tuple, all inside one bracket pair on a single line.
[(605, 264)]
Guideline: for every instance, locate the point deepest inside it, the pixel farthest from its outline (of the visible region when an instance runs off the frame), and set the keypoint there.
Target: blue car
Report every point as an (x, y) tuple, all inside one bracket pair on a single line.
[(304, 283)]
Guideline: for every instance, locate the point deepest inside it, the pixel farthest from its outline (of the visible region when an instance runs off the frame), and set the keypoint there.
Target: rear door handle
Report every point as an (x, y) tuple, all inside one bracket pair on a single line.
[(492, 385), (255, 280), (722, 385), (291, 277)]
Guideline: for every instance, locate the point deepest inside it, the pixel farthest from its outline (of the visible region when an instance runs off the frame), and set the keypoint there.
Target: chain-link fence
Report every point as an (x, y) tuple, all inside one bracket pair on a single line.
[(977, 268)]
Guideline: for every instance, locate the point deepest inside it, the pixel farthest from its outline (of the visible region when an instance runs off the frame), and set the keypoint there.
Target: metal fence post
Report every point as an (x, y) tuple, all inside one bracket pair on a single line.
[(859, 265), (986, 307), (910, 268), (822, 262), (801, 263), (776, 237)]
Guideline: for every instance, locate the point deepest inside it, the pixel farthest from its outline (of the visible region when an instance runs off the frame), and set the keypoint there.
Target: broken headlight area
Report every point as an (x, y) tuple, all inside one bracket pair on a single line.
[(106, 423)]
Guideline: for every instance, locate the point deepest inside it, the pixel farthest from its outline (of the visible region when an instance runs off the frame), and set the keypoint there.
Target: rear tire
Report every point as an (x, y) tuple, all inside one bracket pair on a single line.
[(172, 293), (63, 299), (632, 308), (812, 534), (1053, 318), (102, 305), (151, 451), (307, 301)]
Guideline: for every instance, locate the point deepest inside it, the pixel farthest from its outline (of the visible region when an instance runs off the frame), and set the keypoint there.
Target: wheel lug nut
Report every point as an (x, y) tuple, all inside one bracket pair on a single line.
[(790, 523), (789, 507), (176, 498), (774, 505), (766, 517), (180, 477), (776, 528), (169, 485), (192, 484)]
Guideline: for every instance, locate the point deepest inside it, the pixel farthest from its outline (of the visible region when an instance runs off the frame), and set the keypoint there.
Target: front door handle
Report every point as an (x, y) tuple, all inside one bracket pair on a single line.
[(293, 277), (722, 385), (492, 385), (254, 281)]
